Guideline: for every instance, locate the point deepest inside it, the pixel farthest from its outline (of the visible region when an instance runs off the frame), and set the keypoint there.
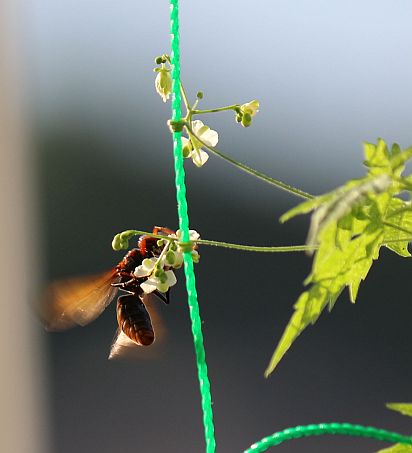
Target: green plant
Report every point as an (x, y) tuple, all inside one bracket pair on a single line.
[(348, 227)]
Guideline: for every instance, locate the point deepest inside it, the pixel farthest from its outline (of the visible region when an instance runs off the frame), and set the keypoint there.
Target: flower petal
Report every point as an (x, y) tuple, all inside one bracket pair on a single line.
[(178, 260), (193, 234), (141, 271), (210, 137), (199, 157), (171, 278), (149, 285), (195, 256), (196, 125)]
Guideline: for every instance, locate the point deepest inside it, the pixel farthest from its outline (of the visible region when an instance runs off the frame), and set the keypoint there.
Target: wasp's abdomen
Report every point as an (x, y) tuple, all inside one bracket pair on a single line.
[(134, 320)]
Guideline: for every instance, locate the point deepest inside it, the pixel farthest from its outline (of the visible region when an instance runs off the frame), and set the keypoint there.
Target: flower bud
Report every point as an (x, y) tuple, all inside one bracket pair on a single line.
[(158, 273), (117, 243), (162, 277), (246, 119), (199, 94), (170, 257), (163, 83), (195, 256), (187, 147)]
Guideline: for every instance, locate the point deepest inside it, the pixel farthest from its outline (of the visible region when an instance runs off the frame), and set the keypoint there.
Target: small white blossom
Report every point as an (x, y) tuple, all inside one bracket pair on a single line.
[(161, 282), (193, 235), (174, 259), (251, 107), (163, 83), (146, 268), (193, 148), (178, 254), (162, 285), (195, 256)]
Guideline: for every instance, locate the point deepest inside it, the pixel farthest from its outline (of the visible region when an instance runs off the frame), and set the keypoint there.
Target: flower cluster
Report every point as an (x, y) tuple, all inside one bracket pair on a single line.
[(246, 111), (198, 133), (159, 270)]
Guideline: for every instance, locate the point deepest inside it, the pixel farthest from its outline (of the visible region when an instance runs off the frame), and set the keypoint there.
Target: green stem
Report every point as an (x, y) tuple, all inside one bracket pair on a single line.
[(220, 109), (159, 260), (185, 98), (258, 174), (182, 89), (249, 248), (254, 248), (258, 248)]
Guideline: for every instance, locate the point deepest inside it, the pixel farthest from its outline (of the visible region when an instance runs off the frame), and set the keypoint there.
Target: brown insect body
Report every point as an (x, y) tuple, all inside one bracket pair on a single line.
[(134, 319), (80, 301)]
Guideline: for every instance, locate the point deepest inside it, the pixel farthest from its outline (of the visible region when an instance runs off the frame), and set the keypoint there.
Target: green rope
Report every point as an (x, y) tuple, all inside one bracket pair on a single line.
[(204, 384), (345, 429), (281, 436)]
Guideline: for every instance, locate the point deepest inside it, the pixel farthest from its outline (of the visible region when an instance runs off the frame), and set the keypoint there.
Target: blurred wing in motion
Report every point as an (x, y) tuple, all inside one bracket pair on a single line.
[(77, 301), (124, 347)]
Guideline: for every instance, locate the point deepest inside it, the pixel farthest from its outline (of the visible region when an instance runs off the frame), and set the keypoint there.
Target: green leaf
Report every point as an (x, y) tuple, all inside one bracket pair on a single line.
[(398, 225), (403, 408), (377, 157), (399, 158), (305, 207), (333, 269), (307, 310), (350, 224), (397, 448)]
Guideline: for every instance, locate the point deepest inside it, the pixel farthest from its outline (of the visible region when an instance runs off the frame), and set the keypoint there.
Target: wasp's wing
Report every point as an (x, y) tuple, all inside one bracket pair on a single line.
[(77, 301), (121, 345), (124, 347)]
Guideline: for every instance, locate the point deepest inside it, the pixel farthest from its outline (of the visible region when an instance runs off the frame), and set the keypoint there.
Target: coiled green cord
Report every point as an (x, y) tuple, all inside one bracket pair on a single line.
[(345, 429), (204, 384), (206, 400)]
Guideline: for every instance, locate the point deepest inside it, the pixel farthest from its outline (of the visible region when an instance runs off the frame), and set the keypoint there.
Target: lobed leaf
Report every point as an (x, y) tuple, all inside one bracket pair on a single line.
[(397, 448), (334, 268), (398, 225), (350, 224), (403, 408)]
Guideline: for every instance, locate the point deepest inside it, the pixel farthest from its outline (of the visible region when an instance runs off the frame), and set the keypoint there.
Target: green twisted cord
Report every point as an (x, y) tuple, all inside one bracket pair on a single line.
[(345, 429), (204, 384), (281, 436)]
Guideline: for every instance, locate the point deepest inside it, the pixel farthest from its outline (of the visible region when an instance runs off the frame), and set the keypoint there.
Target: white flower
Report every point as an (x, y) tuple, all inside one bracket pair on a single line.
[(178, 254), (161, 282), (193, 235), (174, 259), (163, 83), (251, 107), (146, 268), (192, 147)]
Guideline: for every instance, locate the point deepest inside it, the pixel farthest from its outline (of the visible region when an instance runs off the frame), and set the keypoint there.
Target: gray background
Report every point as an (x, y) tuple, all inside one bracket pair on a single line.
[(329, 75)]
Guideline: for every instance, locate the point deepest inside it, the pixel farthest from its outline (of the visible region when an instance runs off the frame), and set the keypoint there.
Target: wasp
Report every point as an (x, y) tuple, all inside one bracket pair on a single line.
[(80, 301)]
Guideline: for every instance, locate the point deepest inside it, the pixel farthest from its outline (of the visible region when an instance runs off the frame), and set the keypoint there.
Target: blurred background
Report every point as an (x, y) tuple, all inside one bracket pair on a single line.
[(328, 75)]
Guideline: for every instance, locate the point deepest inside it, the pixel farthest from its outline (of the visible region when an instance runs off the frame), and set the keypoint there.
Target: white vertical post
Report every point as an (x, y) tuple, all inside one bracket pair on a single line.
[(22, 420)]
